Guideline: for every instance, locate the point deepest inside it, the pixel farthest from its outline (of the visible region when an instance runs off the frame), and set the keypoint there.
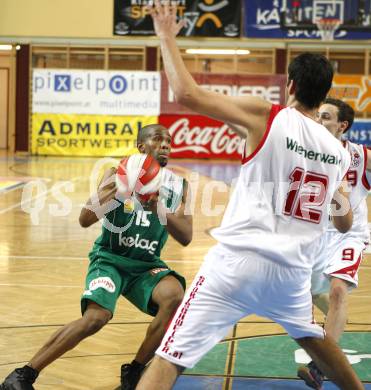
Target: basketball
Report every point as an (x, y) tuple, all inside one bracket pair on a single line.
[(139, 173)]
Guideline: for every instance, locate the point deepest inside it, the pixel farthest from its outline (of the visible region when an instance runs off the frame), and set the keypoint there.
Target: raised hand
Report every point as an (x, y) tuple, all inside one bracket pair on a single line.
[(164, 19)]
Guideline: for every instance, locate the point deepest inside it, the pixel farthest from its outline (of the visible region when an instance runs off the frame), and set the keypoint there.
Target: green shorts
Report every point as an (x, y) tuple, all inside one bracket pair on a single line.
[(110, 276)]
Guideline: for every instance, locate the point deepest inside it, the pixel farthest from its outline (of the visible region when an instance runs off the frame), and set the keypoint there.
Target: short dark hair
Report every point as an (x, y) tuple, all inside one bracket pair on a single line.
[(345, 111), (312, 75), (143, 132)]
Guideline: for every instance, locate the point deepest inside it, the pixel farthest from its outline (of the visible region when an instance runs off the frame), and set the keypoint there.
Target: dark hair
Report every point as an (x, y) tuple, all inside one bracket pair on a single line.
[(143, 132), (345, 111), (312, 75)]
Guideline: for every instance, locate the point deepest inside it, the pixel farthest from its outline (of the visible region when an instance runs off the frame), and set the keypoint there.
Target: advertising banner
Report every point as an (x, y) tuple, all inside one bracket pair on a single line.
[(61, 91), (86, 135), (262, 18), (203, 18), (354, 90), (360, 133), (196, 136), (269, 87)]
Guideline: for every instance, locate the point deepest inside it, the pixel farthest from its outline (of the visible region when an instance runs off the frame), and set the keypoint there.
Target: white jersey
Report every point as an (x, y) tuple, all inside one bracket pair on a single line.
[(357, 178), (280, 203)]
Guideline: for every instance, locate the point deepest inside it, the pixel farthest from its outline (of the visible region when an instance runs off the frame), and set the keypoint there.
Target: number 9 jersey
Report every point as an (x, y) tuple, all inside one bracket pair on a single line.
[(340, 255), (280, 204)]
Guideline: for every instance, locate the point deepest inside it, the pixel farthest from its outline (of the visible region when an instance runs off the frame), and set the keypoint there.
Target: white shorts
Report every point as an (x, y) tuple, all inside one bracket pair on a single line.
[(339, 256), (229, 287)]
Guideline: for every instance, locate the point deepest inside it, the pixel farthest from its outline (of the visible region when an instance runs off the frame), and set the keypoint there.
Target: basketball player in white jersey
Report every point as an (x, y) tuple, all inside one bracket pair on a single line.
[(291, 169), (338, 257)]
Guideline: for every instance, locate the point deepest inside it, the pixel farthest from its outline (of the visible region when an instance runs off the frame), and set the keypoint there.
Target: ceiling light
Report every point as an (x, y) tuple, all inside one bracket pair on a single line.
[(5, 47), (218, 51)]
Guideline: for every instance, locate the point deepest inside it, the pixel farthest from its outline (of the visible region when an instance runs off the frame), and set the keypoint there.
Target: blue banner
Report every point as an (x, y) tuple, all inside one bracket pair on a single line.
[(262, 18), (360, 133)]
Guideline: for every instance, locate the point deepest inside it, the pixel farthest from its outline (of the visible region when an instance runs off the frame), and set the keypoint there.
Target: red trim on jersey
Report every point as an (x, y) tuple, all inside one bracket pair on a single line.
[(351, 270), (364, 177), (276, 108)]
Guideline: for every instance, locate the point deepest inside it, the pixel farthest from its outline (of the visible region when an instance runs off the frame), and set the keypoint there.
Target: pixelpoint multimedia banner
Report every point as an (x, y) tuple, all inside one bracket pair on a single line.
[(207, 18), (61, 91)]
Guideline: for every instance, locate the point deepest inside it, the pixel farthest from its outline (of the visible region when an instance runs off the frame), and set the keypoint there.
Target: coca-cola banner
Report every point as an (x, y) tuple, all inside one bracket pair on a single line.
[(196, 136), (269, 87), (202, 18)]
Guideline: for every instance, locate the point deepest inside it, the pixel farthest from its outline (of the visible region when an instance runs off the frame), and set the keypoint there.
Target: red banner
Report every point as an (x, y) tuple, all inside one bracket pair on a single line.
[(196, 136), (269, 87)]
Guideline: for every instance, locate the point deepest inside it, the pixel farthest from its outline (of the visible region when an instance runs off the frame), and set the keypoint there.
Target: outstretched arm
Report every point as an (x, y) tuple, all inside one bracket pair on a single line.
[(248, 111)]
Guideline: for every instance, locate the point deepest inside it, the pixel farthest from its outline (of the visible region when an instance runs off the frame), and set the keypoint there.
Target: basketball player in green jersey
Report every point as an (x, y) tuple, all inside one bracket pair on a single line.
[(125, 260)]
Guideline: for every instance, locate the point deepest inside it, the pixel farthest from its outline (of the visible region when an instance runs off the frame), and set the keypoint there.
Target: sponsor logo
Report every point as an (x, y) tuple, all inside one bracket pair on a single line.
[(180, 320), (354, 357), (104, 282), (214, 140), (129, 206), (356, 160), (96, 82), (354, 89), (62, 83), (271, 93), (311, 154), (138, 242), (156, 271)]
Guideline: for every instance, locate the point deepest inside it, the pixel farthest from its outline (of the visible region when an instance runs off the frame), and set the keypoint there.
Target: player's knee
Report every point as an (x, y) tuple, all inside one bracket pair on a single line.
[(94, 319), (171, 303), (94, 325)]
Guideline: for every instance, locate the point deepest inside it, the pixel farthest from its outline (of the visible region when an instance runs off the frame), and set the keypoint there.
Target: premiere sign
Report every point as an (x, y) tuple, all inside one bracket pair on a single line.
[(268, 87)]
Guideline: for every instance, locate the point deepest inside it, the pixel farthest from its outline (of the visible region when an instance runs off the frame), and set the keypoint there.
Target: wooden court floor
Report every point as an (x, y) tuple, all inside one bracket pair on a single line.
[(43, 260)]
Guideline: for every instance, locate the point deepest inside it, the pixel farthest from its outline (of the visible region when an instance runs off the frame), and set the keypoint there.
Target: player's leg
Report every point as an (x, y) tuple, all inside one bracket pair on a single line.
[(102, 288), (66, 338), (330, 290), (161, 374), (322, 301), (292, 308), (204, 317), (331, 361), (338, 308), (166, 295)]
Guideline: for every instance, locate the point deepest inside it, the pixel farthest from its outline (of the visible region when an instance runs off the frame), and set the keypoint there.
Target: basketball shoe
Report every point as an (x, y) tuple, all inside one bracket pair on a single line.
[(130, 375), (311, 375), (20, 379)]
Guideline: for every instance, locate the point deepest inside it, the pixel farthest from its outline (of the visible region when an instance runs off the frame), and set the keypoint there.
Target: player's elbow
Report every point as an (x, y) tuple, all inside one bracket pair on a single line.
[(343, 223), (186, 97), (186, 241), (186, 237), (84, 221)]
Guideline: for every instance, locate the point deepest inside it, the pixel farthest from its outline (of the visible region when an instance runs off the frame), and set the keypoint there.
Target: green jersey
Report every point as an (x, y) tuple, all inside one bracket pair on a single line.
[(138, 233)]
